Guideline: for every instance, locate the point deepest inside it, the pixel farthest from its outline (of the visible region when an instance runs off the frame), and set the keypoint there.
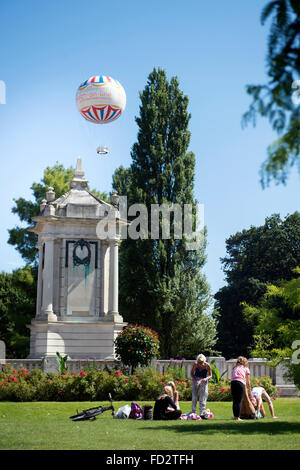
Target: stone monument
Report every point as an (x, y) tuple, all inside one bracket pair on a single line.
[(77, 293)]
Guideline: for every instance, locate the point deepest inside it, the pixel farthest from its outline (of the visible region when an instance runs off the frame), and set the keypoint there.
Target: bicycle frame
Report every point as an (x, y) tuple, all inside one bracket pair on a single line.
[(91, 413)]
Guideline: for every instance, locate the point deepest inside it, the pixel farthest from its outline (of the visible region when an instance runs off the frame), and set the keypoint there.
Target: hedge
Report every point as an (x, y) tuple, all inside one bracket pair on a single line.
[(95, 385)]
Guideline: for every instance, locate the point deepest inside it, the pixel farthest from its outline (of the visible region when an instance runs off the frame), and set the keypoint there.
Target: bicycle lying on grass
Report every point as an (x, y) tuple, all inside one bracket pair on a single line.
[(92, 413)]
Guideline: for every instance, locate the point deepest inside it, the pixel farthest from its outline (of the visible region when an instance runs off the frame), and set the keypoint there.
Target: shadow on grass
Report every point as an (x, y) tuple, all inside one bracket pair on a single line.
[(244, 427)]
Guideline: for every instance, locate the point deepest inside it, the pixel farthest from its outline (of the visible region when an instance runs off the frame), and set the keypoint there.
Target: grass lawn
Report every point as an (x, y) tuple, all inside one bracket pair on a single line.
[(46, 426)]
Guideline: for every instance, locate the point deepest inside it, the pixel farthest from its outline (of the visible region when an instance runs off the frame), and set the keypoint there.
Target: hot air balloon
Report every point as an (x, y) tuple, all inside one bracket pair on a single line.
[(101, 100)]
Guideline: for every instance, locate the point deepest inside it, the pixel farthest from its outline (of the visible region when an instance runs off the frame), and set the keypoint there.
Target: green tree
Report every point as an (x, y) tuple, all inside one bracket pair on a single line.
[(161, 283), (25, 242), (17, 308), (255, 258), (276, 323), (273, 100)]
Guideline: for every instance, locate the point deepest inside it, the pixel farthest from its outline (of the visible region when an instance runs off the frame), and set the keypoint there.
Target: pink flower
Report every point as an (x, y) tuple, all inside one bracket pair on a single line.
[(82, 373), (118, 373)]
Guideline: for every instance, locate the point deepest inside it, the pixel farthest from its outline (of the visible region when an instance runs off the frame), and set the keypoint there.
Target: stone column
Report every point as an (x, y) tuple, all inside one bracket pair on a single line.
[(40, 280), (104, 293), (48, 272), (114, 277)]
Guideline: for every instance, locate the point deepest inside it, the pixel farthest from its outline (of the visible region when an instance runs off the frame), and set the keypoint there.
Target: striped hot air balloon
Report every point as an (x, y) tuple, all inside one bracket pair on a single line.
[(101, 99)]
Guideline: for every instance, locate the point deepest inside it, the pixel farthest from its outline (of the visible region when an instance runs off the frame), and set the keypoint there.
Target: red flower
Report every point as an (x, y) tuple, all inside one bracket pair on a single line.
[(82, 373)]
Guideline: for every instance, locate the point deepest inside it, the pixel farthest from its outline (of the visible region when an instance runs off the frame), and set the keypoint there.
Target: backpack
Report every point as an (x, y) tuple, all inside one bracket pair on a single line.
[(123, 412), (136, 411)]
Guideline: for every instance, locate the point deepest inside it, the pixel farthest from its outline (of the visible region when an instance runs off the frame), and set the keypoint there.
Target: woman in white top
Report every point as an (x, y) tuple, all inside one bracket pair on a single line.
[(259, 395)]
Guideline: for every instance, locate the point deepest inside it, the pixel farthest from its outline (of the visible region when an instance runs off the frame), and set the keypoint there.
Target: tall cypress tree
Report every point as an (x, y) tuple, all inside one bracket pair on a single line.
[(161, 283)]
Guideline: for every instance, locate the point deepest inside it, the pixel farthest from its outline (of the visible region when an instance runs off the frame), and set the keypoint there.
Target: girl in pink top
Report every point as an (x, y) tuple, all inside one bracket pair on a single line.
[(239, 372), (240, 378)]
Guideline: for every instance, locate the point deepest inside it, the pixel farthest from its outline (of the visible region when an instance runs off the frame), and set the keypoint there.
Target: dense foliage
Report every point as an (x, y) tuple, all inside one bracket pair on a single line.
[(255, 258), (17, 308), (274, 100), (276, 322)]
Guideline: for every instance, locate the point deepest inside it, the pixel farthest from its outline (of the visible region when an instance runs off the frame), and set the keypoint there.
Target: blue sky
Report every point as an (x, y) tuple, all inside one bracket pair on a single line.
[(214, 48)]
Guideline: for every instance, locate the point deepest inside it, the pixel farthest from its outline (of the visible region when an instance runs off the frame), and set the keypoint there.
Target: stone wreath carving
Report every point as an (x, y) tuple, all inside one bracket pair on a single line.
[(78, 260)]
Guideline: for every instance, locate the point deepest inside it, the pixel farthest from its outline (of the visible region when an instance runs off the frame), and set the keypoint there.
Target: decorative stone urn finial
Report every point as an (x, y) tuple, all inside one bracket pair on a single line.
[(114, 198), (50, 194), (79, 180)]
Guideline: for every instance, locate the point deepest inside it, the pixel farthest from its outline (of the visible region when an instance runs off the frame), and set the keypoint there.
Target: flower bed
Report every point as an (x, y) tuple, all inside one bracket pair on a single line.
[(95, 385)]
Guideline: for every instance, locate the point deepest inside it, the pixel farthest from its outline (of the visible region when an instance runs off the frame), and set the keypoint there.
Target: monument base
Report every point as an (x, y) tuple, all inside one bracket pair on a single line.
[(78, 340)]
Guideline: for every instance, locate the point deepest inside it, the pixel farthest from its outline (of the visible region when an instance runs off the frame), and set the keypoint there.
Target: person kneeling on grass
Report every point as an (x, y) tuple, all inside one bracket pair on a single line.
[(259, 394), (165, 407)]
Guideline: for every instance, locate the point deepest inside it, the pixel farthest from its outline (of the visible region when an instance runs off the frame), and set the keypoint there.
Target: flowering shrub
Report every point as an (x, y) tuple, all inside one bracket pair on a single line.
[(136, 345), (95, 385), (219, 391), (175, 368)]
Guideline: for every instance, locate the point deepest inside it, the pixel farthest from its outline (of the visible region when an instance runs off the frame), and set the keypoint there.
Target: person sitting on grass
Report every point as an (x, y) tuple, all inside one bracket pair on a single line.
[(165, 408), (259, 394)]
